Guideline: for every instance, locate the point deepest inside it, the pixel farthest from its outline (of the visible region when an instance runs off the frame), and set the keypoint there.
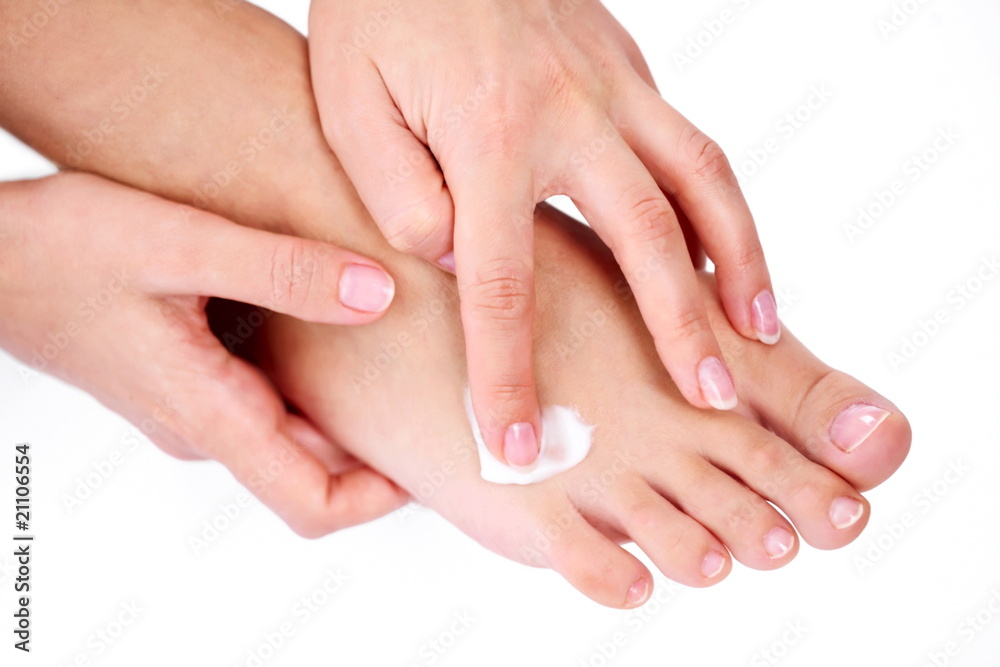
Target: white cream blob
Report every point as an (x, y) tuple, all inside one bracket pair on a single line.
[(566, 440)]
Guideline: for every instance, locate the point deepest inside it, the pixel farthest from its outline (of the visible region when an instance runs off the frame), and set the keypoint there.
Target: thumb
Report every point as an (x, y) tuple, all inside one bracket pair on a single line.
[(393, 171), (310, 280), (240, 421)]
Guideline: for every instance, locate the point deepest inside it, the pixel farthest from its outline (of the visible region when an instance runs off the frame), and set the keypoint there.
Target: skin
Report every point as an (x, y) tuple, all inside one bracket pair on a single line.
[(523, 100), (688, 486)]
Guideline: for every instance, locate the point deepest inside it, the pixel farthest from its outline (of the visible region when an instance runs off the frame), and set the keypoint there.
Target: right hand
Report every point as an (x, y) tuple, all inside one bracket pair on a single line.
[(455, 118), (106, 287)]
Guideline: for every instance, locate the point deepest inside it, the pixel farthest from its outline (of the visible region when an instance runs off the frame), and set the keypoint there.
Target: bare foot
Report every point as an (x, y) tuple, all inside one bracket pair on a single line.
[(692, 488)]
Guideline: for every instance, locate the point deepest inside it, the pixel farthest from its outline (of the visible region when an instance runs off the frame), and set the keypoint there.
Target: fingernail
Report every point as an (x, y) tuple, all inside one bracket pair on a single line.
[(845, 512), (447, 262), (716, 384), (520, 446), (778, 542), (637, 594), (854, 424), (712, 565), (765, 318), (366, 288)]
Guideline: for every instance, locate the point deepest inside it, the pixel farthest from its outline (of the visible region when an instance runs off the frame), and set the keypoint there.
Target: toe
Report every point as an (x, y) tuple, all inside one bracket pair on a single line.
[(754, 532), (827, 511), (680, 547), (827, 415), (592, 563)]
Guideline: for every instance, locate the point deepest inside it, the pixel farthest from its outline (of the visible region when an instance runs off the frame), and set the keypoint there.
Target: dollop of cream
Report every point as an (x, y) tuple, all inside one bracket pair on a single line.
[(566, 441)]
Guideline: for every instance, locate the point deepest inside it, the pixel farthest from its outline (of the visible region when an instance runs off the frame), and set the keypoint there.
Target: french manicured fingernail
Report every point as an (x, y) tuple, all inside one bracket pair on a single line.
[(765, 318), (637, 594), (845, 512), (365, 288), (712, 564), (520, 446), (716, 384), (778, 542), (854, 424), (447, 262)]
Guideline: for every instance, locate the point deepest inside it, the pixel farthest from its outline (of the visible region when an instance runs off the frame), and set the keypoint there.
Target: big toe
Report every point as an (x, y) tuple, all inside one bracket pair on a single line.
[(827, 415)]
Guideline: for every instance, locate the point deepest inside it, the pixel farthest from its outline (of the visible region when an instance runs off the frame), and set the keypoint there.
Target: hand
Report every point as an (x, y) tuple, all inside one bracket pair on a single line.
[(106, 287), (454, 119)]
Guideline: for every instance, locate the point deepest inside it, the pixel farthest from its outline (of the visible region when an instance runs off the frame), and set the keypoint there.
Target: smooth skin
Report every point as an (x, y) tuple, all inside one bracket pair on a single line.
[(454, 119), (692, 487), (106, 287)]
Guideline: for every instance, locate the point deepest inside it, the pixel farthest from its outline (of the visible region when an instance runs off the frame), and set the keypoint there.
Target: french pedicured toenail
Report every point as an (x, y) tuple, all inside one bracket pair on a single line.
[(766, 324), (637, 594), (367, 289), (716, 384), (845, 512), (520, 446), (712, 564), (854, 424), (777, 542)]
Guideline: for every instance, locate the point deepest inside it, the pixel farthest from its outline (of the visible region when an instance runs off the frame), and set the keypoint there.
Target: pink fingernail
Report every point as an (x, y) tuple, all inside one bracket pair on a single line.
[(778, 542), (716, 384), (637, 594), (845, 512), (765, 318), (712, 564), (365, 288), (447, 262), (520, 446), (854, 424)]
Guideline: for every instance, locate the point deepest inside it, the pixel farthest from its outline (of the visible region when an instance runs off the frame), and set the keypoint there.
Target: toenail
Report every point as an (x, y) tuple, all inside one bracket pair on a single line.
[(637, 594), (716, 383), (766, 324), (778, 542), (845, 512), (854, 424), (712, 565), (520, 446)]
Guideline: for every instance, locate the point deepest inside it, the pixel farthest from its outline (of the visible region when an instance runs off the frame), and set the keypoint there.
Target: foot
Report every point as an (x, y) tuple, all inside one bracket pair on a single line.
[(692, 488)]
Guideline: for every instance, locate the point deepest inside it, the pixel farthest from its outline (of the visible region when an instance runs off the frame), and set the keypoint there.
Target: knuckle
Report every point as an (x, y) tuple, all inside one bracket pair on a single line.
[(294, 272), (690, 324), (413, 230), (764, 457), (500, 136), (510, 390), (650, 220), (749, 259), (503, 291), (705, 157)]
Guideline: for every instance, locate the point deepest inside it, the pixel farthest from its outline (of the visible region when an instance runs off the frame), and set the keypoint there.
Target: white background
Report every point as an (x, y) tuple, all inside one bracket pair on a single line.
[(852, 303)]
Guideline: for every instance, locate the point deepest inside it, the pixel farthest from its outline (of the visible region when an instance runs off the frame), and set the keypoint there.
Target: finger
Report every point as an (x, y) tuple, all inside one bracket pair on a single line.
[(252, 436), (693, 169), (306, 435), (314, 281), (395, 174), (629, 211), (494, 244)]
